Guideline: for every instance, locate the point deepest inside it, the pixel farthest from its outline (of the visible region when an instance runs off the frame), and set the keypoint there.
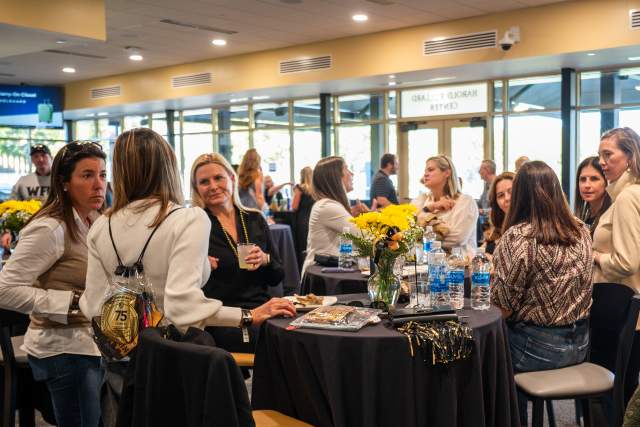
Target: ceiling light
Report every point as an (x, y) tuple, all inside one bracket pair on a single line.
[(360, 17), (219, 42), (634, 58), (440, 79), (260, 97), (591, 54), (238, 99), (68, 70), (89, 115), (103, 113), (637, 88), (61, 41), (392, 76), (136, 57), (392, 83), (134, 53)]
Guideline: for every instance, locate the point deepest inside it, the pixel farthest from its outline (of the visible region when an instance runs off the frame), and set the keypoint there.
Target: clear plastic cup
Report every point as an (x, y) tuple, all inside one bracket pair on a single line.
[(243, 251)]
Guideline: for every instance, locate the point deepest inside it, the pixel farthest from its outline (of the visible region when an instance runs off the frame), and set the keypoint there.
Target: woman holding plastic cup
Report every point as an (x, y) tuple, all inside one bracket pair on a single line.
[(244, 263)]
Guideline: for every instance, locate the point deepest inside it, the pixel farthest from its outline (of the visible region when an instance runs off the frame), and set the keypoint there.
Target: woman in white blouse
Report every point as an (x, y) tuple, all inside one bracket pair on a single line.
[(146, 188), (45, 277), (458, 211), (330, 215)]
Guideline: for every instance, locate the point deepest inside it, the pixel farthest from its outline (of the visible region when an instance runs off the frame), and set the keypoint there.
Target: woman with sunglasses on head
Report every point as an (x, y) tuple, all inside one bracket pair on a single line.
[(214, 188), (616, 240), (458, 211), (499, 202), (45, 278), (592, 198)]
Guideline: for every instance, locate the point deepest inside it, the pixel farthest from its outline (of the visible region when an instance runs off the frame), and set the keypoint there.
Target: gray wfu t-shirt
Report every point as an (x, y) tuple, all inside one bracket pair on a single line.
[(32, 186)]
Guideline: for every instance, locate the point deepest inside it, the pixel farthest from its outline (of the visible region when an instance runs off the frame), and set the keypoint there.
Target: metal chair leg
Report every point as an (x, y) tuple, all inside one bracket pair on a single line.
[(586, 412), (538, 412), (550, 415)]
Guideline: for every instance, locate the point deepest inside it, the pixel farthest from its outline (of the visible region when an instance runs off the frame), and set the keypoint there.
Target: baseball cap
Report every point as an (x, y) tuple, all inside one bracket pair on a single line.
[(39, 148)]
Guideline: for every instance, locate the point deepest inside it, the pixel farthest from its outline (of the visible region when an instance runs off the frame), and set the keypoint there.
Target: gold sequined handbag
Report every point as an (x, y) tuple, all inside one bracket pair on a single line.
[(128, 307)]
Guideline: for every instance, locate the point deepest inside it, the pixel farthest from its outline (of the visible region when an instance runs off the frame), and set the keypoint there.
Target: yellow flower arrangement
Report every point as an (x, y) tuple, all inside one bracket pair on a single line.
[(14, 214)]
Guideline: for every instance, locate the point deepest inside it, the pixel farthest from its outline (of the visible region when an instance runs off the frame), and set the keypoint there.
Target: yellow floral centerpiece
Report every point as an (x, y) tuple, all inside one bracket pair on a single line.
[(14, 214), (386, 235)]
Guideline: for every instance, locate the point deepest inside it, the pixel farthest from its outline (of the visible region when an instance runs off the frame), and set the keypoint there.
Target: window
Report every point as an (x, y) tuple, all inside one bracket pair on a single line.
[(274, 148), (534, 93), (498, 143), (232, 117), (354, 145), (359, 108), (537, 136), (192, 146), (271, 115), (306, 149), (132, 122), (588, 134), (159, 123), (606, 88), (306, 112), (197, 121), (467, 153), (423, 143)]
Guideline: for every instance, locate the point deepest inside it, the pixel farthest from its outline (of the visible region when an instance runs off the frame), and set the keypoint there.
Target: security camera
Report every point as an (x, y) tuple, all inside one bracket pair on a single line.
[(511, 37)]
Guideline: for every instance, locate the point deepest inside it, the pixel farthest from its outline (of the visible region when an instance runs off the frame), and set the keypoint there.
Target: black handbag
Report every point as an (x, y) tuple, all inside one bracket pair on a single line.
[(326, 260)]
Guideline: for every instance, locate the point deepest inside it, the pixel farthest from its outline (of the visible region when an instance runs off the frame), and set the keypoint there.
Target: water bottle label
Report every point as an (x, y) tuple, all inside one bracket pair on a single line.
[(455, 276), (346, 248), (437, 279), (426, 246), (480, 279)]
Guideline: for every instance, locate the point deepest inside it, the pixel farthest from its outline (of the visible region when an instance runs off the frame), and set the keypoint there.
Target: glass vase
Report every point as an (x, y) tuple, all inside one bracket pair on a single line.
[(384, 285)]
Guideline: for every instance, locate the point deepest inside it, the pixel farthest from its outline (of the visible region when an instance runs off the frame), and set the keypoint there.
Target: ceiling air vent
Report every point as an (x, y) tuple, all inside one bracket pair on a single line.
[(83, 55), (634, 19), (300, 65), (462, 43), (191, 80), (105, 92)]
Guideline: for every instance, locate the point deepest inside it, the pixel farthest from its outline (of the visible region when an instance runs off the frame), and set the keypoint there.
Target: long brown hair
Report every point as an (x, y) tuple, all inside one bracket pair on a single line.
[(497, 216), (327, 181), (537, 199), (249, 169), (583, 210), (145, 168), (58, 204)]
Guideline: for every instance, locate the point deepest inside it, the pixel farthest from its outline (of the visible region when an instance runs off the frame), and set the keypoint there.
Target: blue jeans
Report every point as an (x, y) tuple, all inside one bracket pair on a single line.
[(74, 383), (537, 348)]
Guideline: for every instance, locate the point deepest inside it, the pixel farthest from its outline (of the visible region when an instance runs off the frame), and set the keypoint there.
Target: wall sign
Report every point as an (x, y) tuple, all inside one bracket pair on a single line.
[(443, 101)]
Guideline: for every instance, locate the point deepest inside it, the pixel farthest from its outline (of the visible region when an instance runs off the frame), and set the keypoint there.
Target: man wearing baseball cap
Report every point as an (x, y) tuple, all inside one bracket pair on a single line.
[(35, 185)]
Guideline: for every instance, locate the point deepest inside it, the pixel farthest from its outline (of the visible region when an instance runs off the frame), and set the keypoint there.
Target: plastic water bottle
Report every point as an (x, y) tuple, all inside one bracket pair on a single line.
[(345, 255), (438, 276), (480, 280), (427, 240), (455, 278)]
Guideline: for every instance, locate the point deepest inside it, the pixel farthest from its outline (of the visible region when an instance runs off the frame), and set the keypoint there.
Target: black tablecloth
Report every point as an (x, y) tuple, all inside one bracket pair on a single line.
[(319, 283), (369, 378), (283, 240)]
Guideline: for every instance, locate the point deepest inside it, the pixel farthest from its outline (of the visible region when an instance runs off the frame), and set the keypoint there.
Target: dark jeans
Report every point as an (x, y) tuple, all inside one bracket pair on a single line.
[(539, 348), (73, 381)]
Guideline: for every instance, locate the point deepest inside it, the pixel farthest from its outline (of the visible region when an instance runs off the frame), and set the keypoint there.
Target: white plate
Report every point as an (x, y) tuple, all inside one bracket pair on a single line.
[(328, 300)]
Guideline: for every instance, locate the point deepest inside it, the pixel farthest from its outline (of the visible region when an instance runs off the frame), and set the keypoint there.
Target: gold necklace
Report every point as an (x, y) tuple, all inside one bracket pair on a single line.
[(229, 241)]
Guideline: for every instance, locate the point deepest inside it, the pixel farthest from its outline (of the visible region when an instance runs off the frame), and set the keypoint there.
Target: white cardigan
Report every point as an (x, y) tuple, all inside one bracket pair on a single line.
[(461, 220), (175, 262), (326, 222)]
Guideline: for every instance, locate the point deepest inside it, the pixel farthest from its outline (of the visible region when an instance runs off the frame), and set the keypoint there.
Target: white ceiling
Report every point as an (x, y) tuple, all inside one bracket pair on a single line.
[(260, 25)]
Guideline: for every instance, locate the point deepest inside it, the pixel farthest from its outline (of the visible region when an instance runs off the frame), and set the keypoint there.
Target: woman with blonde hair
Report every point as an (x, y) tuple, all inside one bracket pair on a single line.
[(250, 180), (214, 189), (616, 240), (458, 212), (147, 193), (302, 205)]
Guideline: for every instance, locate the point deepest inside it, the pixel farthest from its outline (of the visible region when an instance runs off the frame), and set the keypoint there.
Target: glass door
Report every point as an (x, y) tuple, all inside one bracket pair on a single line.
[(462, 140)]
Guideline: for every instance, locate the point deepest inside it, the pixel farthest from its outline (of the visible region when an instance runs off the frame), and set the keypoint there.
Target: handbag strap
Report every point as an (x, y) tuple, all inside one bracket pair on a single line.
[(121, 269)]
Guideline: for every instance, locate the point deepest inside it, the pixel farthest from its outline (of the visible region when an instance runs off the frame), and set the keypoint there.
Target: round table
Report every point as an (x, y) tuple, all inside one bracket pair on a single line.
[(319, 283), (368, 378), (282, 239)]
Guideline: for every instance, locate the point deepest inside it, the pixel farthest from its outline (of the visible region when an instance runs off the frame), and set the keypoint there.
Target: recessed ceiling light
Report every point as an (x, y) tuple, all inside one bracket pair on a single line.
[(591, 54), (238, 99), (89, 115), (634, 58), (103, 113), (219, 42), (392, 83), (360, 17), (392, 76), (68, 70), (136, 57), (259, 97), (61, 41)]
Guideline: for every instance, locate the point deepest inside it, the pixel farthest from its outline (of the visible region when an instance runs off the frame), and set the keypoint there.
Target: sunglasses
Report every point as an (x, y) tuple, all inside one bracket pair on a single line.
[(78, 146)]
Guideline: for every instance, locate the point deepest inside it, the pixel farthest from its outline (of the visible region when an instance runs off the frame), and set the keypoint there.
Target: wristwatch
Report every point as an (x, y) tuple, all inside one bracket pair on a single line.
[(246, 319), (74, 307)]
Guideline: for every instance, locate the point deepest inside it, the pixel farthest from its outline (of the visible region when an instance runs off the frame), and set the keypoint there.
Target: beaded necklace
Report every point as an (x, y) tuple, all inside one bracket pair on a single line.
[(229, 241)]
